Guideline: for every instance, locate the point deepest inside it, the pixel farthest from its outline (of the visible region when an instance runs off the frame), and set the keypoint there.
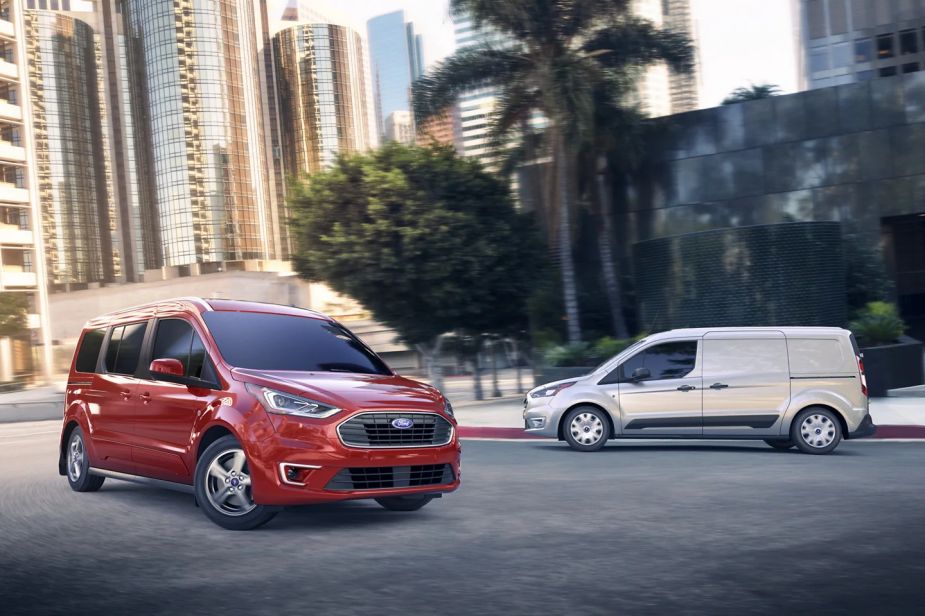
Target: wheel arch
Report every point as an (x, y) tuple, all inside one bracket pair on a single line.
[(69, 427), (560, 433), (842, 422), (212, 434)]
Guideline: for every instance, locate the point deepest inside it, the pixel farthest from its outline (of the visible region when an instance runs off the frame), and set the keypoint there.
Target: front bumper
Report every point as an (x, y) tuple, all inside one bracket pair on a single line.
[(542, 419), (317, 461), (864, 429)]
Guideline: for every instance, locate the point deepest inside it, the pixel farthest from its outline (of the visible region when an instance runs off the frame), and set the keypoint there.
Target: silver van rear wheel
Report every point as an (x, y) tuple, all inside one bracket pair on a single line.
[(816, 430)]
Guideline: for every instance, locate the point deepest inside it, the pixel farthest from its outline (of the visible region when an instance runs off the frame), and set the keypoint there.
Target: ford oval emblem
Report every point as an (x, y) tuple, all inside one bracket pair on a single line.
[(402, 423)]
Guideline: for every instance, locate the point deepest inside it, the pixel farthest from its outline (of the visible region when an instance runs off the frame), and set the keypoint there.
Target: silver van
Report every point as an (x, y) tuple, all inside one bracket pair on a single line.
[(798, 387)]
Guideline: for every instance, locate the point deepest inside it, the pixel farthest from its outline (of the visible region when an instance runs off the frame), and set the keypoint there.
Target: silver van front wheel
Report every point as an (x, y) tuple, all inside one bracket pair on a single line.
[(586, 428)]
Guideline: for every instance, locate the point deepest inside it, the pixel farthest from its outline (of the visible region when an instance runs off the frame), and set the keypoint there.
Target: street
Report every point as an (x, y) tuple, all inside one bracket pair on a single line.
[(536, 528)]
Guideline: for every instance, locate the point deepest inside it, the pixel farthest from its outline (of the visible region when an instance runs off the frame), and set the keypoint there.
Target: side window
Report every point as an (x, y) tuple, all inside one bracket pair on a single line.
[(669, 360), (176, 339), (89, 351), (125, 348)]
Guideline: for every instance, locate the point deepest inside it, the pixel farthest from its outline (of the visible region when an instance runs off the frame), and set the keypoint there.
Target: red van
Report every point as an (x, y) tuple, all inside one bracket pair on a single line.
[(251, 406)]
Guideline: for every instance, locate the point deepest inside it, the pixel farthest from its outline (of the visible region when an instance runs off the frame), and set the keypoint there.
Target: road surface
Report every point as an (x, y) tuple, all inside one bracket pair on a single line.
[(536, 529)]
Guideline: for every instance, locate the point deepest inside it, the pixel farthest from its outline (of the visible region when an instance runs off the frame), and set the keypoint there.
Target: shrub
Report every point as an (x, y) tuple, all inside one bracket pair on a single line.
[(877, 323), (584, 354)]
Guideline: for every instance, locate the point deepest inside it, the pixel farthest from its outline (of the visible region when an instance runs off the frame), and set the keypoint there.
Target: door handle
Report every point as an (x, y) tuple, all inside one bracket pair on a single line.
[(718, 386), (125, 394), (145, 397), (686, 388)]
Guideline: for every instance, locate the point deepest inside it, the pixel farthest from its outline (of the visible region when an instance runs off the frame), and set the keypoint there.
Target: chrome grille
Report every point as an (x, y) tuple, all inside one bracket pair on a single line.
[(384, 477), (376, 430)]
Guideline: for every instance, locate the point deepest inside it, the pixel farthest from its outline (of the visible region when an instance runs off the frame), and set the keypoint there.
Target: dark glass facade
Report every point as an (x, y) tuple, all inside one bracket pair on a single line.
[(200, 143), (322, 95), (73, 173), (853, 154)]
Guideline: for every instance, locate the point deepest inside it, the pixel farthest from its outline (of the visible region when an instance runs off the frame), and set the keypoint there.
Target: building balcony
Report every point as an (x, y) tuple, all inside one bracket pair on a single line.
[(11, 235), (8, 70), (11, 152), (10, 193), (7, 29), (17, 279), (8, 111)]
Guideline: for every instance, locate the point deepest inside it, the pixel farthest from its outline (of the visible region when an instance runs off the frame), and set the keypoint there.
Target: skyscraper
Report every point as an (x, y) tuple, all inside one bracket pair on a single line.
[(324, 111), (74, 176), (399, 127), (396, 60), (203, 140), (22, 268), (844, 41)]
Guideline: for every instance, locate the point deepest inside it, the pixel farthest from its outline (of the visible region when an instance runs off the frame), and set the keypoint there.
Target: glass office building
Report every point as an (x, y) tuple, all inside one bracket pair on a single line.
[(396, 60), (73, 172), (857, 40), (322, 95), (200, 130)]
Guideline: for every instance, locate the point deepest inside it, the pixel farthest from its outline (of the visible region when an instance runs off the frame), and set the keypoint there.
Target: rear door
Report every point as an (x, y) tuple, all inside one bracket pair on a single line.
[(746, 383), (113, 414), (668, 401)]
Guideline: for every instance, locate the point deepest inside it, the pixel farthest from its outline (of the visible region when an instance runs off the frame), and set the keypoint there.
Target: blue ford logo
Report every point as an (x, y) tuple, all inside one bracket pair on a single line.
[(402, 423)]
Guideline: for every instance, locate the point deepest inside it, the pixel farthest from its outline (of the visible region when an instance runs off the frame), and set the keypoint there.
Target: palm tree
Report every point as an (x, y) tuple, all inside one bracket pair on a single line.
[(752, 93), (561, 54)]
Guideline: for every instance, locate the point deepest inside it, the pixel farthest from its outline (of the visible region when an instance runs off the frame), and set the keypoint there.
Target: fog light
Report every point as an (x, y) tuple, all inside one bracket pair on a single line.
[(295, 474), (536, 422)]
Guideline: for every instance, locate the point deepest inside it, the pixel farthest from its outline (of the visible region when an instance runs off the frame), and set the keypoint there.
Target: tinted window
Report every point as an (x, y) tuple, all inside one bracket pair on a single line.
[(125, 348), (176, 339), (669, 360), (89, 351), (282, 342)]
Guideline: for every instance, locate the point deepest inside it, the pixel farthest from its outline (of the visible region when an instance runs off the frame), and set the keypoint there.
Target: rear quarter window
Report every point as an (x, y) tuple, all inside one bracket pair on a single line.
[(88, 352), (818, 356)]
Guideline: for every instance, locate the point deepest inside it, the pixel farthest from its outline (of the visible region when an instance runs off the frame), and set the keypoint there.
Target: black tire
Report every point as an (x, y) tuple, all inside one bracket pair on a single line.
[(405, 503), (816, 430), (77, 464), (779, 443), (237, 511), (591, 422)]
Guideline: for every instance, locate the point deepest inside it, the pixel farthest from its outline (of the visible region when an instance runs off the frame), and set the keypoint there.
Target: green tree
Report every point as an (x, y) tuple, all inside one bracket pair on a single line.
[(13, 310), (560, 54), (752, 93), (426, 240)]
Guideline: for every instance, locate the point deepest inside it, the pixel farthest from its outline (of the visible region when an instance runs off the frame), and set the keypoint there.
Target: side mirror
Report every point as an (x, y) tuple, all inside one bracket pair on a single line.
[(166, 368), (640, 374)]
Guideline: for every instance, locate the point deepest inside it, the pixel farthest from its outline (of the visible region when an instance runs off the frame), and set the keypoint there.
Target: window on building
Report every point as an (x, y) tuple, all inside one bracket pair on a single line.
[(841, 55), (816, 16), (885, 46), (908, 41), (860, 14), (819, 60), (838, 17), (863, 50), (887, 71), (865, 75), (911, 67)]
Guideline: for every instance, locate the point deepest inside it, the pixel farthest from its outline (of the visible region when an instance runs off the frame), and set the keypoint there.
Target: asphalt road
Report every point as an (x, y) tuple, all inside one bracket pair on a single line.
[(535, 529)]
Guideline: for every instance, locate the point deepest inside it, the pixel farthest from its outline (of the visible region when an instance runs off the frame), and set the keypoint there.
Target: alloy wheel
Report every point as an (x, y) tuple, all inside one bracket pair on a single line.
[(75, 458), (228, 483)]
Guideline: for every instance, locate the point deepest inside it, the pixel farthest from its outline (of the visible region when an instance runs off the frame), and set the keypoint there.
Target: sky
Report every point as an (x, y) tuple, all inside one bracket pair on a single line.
[(741, 42)]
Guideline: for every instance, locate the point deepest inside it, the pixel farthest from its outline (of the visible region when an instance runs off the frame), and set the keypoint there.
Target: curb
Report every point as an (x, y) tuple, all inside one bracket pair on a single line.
[(517, 434)]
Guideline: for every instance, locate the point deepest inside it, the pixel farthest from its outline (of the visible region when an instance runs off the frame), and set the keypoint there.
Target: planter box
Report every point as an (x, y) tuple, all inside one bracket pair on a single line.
[(542, 374), (893, 365)]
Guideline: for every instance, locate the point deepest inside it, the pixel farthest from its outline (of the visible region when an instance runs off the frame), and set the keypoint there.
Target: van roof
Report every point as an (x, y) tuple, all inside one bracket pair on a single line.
[(200, 305), (697, 332)]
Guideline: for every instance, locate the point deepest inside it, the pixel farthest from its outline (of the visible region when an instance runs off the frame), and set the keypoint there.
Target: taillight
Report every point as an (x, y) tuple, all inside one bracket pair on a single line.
[(863, 376)]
